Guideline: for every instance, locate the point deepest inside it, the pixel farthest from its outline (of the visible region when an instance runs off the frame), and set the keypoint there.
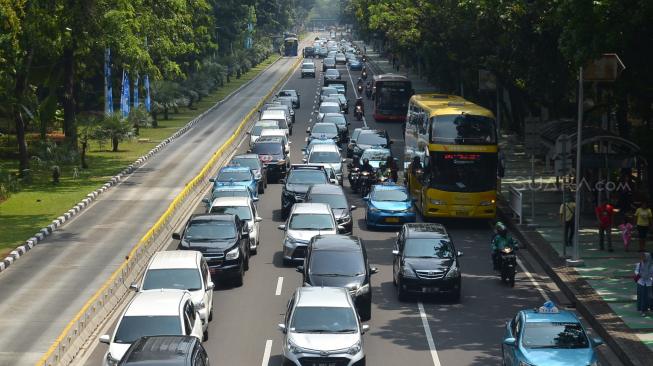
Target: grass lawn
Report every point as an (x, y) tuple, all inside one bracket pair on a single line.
[(37, 204)]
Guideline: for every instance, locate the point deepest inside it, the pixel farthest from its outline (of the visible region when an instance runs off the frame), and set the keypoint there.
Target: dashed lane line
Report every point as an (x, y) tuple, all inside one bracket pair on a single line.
[(429, 336)]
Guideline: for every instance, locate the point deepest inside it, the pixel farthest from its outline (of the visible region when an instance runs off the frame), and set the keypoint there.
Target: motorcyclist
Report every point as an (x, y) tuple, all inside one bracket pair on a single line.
[(367, 167), (359, 83), (390, 164), (360, 103), (500, 241)]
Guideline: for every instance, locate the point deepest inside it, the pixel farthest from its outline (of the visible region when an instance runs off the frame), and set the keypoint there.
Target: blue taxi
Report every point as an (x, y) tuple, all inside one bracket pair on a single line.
[(388, 205), (547, 336), (236, 175)]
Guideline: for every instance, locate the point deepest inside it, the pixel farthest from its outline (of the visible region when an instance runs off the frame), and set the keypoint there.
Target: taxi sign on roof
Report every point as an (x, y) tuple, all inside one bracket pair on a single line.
[(549, 308)]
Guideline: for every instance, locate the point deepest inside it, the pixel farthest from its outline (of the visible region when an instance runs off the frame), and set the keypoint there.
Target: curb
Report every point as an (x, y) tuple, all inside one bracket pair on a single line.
[(616, 334), (115, 180)]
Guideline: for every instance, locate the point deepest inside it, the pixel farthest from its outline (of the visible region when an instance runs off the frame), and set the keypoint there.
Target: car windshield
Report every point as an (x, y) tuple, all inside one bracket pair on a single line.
[(256, 130), (134, 327), (554, 335), (234, 175), (316, 319), (375, 154), (332, 72), (317, 157), (307, 177), (287, 93), (464, 129), (243, 212), (324, 128), (338, 120), (173, 278), (374, 138), (308, 66), (230, 193), (389, 195), (268, 148), (329, 109), (335, 263), (336, 201), (252, 163), (311, 222), (428, 248), (210, 230), (329, 91)]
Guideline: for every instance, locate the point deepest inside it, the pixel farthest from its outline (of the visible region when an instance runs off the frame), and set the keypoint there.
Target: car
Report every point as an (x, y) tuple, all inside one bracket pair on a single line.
[(254, 164), (344, 102), (300, 178), (426, 262), (322, 52), (340, 58), (366, 139), (548, 336), (340, 261), (238, 175), (223, 241), (332, 74), (285, 121), (328, 63), (259, 126), (376, 155), (280, 134), (319, 141), (322, 130), (229, 190), (327, 91), (166, 350), (315, 315), (152, 313), (328, 107), (335, 197), (340, 121), (181, 270), (272, 153), (333, 98), (308, 69), (355, 65), (340, 87), (245, 209), (304, 222), (388, 206), (326, 155), (352, 140), (293, 94), (278, 105), (308, 51)]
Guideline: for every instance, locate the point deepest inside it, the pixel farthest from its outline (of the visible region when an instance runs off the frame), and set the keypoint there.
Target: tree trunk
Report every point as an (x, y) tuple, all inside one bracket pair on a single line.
[(114, 143), (69, 125), (82, 155), (19, 91), (165, 113), (155, 121)]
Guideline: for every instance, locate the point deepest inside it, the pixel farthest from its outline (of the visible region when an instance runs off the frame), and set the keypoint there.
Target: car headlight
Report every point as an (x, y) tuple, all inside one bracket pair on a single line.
[(344, 219), (438, 202), (290, 242), (355, 348), (111, 361), (374, 209), (232, 254), (408, 272), (454, 272), (486, 203), (293, 348), (363, 290), (410, 209), (281, 162), (200, 305)]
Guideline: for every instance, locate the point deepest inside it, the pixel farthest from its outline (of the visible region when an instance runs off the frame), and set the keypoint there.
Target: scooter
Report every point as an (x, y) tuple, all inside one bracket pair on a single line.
[(360, 88), (365, 182), (358, 113), (364, 75), (354, 174), (508, 265)]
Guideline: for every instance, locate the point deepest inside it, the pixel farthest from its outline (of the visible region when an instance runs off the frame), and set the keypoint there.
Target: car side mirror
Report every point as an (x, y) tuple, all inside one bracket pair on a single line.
[(341, 229), (206, 201), (352, 207), (212, 180), (304, 160), (282, 328), (134, 287), (210, 286), (176, 236), (308, 130), (510, 341), (282, 181), (459, 254), (255, 199), (597, 342), (258, 219), (249, 132), (333, 181), (365, 328), (249, 151), (366, 198), (395, 252), (106, 339), (300, 269), (281, 227), (374, 270), (245, 234)]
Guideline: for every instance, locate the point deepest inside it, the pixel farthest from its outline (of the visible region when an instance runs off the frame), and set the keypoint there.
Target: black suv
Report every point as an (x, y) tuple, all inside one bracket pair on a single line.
[(426, 261), (272, 153), (309, 52), (367, 139), (334, 196), (340, 261), (223, 240), (168, 350), (300, 178)]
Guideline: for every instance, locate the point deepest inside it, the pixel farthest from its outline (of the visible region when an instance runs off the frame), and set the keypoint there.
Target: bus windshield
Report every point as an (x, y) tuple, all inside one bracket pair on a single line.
[(463, 172), (392, 97), (463, 129)]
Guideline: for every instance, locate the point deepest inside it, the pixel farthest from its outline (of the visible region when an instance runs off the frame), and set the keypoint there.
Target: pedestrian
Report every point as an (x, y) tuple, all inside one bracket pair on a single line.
[(567, 211), (626, 231), (643, 216), (644, 279), (605, 215)]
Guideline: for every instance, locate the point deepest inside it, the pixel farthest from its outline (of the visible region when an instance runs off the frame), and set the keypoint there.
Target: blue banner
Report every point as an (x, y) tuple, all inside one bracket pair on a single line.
[(136, 101), (108, 89), (147, 93), (124, 96)]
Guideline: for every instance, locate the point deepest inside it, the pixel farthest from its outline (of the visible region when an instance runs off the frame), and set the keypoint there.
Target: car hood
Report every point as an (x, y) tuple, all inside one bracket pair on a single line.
[(298, 188), (324, 135), (117, 350), (324, 342), (339, 212), (366, 146), (246, 183), (306, 235), (428, 264), (210, 247), (559, 357), (350, 282), (335, 166), (391, 205)]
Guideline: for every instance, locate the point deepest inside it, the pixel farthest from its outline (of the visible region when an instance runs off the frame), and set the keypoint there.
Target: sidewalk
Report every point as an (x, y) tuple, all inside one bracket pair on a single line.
[(609, 274)]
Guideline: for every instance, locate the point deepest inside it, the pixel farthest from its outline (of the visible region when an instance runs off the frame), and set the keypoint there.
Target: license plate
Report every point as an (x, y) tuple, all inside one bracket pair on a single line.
[(429, 289), (392, 219), (325, 364)]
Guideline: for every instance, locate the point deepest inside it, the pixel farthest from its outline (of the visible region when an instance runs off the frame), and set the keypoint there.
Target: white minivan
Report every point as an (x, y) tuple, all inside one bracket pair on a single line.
[(278, 115)]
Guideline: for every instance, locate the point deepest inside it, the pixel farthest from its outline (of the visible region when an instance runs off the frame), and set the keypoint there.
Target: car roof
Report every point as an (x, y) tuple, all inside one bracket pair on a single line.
[(379, 149), (245, 156), (326, 147), (337, 242), (325, 104), (390, 187), (157, 350), (231, 187), (273, 132), (562, 316), (170, 259), (311, 208), (330, 297), (156, 303), (234, 168), (334, 114), (212, 217), (269, 140), (425, 230), (266, 122), (326, 189), (273, 112), (231, 201)]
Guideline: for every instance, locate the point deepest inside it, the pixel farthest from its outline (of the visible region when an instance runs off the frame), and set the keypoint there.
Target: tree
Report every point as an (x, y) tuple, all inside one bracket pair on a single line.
[(114, 128)]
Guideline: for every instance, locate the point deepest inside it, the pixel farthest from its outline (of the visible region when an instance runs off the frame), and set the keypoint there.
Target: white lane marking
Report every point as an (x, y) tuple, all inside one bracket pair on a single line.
[(277, 292), (266, 353), (355, 93), (429, 336), (532, 279)]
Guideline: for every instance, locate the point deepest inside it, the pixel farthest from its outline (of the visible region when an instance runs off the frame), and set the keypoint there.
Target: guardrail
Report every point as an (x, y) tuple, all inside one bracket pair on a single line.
[(515, 201), (95, 311)]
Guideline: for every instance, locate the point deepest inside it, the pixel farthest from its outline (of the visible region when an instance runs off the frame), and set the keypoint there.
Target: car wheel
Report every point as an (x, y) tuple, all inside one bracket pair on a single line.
[(366, 311), (286, 262), (205, 336), (455, 296), (261, 189), (401, 294), (246, 260), (211, 315), (238, 281)]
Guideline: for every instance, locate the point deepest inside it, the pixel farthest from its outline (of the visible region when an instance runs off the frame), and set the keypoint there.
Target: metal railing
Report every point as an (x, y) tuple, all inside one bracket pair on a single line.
[(515, 201)]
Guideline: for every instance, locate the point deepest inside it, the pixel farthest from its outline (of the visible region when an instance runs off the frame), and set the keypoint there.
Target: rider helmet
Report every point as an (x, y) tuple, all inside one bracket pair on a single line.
[(500, 228), (366, 161)]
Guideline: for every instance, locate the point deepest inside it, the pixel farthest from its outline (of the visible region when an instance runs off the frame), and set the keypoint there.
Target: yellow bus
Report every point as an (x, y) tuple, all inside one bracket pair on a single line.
[(455, 144)]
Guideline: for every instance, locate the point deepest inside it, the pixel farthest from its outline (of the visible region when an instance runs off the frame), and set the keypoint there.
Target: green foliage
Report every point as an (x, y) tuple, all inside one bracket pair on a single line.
[(114, 128)]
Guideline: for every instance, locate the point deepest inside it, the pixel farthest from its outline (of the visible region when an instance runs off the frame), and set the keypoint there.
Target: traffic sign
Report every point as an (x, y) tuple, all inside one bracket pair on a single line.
[(605, 68)]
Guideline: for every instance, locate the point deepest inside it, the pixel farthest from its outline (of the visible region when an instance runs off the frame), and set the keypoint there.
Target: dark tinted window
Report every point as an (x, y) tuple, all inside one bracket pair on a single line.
[(464, 129), (210, 230), (463, 172), (323, 320), (426, 247), (270, 148), (243, 212), (307, 177), (134, 327), (318, 157), (236, 176), (554, 335), (330, 108), (311, 222), (177, 278), (334, 263), (372, 138), (252, 163), (334, 200), (339, 120)]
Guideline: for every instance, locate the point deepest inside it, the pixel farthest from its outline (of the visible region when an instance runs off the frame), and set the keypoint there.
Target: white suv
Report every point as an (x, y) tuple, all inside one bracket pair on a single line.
[(181, 270), (245, 209), (150, 313), (322, 328)]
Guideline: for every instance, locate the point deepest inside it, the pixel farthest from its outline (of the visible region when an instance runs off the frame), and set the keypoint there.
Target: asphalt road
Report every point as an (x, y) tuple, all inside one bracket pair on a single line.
[(420, 332), (42, 291)]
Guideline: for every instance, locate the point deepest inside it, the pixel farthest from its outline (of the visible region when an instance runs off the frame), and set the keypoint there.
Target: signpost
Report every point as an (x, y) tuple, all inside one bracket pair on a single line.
[(531, 137), (562, 169)]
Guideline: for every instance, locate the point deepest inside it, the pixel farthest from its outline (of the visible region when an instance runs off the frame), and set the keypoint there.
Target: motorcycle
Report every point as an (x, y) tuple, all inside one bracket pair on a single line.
[(360, 88), (368, 92), (366, 180), (358, 113), (354, 174), (386, 176), (508, 265), (364, 75)]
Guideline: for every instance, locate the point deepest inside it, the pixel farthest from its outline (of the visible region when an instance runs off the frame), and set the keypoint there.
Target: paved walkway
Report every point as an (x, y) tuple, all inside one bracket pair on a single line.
[(610, 274)]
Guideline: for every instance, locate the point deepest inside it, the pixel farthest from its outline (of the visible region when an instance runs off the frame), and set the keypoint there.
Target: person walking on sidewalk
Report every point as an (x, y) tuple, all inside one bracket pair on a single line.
[(644, 218), (626, 231), (644, 279), (567, 210), (605, 215)]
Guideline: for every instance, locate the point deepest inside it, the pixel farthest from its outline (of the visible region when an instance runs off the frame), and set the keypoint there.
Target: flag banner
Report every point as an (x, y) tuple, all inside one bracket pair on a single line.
[(147, 93), (136, 102), (108, 89), (124, 96)]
